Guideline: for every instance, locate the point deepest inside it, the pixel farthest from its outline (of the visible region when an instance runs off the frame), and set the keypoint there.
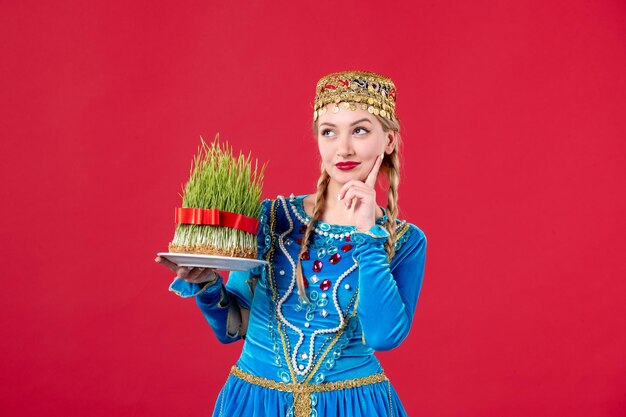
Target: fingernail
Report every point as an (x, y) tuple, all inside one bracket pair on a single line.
[(156, 259)]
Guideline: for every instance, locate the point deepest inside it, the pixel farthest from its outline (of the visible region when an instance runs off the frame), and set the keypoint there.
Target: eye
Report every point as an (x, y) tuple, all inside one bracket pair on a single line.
[(361, 131), (327, 132)]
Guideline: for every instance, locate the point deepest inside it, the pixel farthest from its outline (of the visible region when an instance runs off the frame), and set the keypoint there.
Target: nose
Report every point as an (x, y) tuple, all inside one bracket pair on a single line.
[(344, 146)]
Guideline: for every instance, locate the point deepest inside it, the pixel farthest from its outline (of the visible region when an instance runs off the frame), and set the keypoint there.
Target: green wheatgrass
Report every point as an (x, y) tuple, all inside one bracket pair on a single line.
[(219, 180)]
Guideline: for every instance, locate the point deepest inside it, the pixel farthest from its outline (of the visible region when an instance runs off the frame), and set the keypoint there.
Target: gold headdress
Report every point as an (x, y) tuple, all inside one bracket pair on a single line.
[(349, 89)]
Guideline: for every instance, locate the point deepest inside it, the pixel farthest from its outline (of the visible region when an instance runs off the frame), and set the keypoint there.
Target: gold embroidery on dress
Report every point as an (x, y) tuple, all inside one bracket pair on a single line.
[(270, 270), (303, 390)]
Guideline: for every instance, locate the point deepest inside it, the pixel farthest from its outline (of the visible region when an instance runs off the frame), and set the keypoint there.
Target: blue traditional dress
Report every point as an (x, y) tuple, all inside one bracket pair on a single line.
[(315, 358)]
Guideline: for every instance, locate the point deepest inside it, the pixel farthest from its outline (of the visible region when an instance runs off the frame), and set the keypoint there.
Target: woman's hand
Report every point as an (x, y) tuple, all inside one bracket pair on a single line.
[(194, 275), (360, 198)]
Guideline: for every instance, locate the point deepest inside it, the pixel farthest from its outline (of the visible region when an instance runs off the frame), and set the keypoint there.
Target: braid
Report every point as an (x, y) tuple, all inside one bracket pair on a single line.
[(320, 199), (393, 173), (391, 168)]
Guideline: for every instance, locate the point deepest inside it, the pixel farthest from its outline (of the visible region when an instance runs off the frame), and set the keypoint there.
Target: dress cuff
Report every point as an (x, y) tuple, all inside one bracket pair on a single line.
[(185, 289), (376, 234), (369, 246)]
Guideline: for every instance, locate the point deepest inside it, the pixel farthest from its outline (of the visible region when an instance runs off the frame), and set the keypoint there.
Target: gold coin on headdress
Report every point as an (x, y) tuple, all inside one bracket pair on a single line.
[(370, 100), (370, 109), (315, 115), (345, 105), (376, 111), (383, 113), (352, 107), (364, 106), (336, 109)]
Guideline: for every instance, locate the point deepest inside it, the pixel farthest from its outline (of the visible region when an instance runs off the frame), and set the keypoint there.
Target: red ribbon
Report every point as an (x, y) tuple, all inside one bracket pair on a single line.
[(215, 217)]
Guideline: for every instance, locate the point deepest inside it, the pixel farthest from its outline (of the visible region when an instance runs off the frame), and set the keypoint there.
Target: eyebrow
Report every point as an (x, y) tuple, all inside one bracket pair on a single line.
[(352, 124)]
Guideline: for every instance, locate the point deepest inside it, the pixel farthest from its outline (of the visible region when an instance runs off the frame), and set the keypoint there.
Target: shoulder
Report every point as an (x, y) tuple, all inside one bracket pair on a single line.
[(404, 227), (303, 199), (268, 203), (408, 232), (282, 211)]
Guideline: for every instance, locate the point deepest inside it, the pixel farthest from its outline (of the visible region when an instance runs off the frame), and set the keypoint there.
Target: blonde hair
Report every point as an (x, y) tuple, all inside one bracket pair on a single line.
[(389, 167)]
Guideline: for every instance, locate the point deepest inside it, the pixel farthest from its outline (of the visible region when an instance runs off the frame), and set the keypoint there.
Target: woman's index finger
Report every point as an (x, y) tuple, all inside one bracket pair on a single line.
[(371, 177)]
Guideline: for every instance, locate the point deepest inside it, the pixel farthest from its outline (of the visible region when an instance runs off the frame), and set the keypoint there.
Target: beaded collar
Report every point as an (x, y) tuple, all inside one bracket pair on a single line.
[(326, 229)]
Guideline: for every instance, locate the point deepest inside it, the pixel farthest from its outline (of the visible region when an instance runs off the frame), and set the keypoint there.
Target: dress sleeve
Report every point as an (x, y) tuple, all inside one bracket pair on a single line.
[(220, 303), (219, 306), (388, 293)]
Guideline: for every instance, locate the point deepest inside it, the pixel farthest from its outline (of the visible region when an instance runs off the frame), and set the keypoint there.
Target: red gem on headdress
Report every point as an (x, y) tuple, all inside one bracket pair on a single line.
[(306, 256), (345, 83), (325, 285), (330, 86), (299, 241), (392, 93), (335, 258), (346, 247), (306, 282), (348, 238), (317, 265), (302, 229)]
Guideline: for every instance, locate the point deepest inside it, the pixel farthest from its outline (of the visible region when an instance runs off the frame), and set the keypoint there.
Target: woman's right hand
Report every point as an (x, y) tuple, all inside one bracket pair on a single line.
[(194, 275)]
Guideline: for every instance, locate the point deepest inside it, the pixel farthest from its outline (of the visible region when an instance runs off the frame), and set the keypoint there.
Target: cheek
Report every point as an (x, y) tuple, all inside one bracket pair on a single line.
[(324, 151), (370, 150), (377, 147)]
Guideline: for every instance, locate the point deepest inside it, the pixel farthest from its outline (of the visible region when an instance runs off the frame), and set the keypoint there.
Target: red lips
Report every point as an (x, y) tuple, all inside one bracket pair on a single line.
[(346, 165)]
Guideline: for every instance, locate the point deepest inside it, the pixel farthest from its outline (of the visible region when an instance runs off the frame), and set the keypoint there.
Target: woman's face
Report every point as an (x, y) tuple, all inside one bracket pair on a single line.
[(349, 142)]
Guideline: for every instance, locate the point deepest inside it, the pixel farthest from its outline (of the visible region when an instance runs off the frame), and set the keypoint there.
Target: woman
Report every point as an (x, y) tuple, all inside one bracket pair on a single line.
[(343, 274)]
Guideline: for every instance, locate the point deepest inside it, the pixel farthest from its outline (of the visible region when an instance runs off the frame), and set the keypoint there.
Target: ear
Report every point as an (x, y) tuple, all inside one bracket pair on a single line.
[(391, 140)]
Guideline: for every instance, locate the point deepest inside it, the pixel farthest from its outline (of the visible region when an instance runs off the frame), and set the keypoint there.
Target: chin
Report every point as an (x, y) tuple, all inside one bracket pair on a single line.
[(343, 176)]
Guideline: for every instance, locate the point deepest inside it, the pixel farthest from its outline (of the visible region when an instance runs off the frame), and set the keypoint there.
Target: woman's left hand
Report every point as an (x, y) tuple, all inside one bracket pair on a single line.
[(360, 198)]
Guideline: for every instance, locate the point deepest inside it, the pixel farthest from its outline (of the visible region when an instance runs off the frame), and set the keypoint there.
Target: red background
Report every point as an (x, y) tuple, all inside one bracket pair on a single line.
[(514, 166)]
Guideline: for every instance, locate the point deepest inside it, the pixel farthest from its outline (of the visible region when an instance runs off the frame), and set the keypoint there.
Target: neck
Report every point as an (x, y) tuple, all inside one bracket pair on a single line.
[(332, 191), (334, 210)]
